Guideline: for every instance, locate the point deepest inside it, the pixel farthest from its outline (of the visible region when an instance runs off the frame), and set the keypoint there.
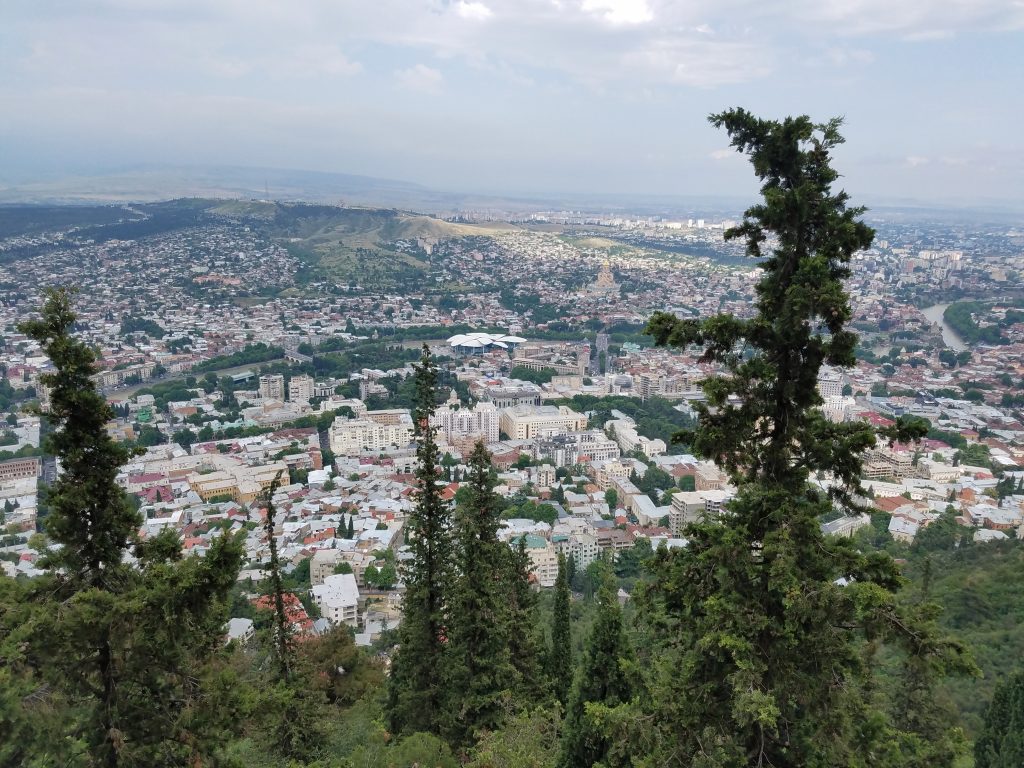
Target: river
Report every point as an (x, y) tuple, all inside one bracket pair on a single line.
[(935, 314)]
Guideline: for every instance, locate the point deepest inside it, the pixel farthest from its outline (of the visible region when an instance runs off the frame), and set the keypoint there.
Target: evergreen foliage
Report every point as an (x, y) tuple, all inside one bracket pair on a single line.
[(526, 640), (560, 654), (763, 623), (480, 671), (275, 589), (602, 681), (416, 694), (118, 650), (1001, 742)]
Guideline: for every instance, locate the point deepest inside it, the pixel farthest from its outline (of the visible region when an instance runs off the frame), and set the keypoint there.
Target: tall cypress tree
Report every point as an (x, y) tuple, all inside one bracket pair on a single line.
[(350, 532), (275, 590), (1001, 741), (560, 653), (602, 680), (763, 649), (481, 676), (526, 641), (122, 644), (416, 686)]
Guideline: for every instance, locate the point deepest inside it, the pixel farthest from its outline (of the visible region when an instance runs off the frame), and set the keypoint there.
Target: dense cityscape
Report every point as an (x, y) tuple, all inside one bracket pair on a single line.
[(231, 360), (511, 384)]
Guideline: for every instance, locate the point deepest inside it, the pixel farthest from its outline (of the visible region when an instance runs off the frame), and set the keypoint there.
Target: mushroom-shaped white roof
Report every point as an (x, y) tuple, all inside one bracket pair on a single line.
[(478, 339)]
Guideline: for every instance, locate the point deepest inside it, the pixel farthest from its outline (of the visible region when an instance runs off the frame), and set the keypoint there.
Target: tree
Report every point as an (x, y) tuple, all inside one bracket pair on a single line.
[(283, 650), (350, 531), (416, 685), (525, 641), (611, 498), (560, 654), (121, 646), (603, 680), (1001, 741), (480, 671), (764, 646)]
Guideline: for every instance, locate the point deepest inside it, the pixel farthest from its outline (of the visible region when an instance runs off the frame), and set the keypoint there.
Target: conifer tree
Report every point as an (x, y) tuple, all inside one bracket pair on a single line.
[(526, 641), (275, 590), (480, 671), (763, 647), (1001, 742), (122, 644), (560, 654), (416, 695), (602, 680), (350, 532)]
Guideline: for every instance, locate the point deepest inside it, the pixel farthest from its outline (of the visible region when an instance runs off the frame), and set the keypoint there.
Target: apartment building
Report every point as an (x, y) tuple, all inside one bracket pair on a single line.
[(691, 506), (526, 422), (338, 599), (482, 421), (357, 437), (271, 386), (301, 388)]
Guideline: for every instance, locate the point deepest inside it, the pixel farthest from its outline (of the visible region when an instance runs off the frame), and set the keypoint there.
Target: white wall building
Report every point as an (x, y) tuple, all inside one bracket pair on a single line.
[(525, 422), (338, 599), (272, 387), (300, 388), (479, 421), (356, 437)]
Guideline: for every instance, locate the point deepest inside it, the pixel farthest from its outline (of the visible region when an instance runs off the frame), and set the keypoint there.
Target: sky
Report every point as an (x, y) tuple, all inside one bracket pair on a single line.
[(519, 96)]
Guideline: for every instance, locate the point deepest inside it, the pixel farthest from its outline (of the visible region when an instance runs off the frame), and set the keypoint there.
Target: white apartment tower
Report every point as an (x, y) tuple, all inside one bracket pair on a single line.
[(272, 386)]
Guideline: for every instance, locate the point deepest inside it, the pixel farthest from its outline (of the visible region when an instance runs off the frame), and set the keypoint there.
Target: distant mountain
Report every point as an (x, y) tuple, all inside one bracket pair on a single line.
[(158, 183), (152, 183)]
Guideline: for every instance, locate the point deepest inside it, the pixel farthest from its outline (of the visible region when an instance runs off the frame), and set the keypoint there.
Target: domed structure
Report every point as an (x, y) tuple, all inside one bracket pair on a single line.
[(477, 343)]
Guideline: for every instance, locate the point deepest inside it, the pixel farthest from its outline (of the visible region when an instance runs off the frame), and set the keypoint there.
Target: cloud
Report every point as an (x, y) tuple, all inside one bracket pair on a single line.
[(915, 161), (420, 78), (912, 19), (723, 154), (620, 11), (319, 60), (472, 10)]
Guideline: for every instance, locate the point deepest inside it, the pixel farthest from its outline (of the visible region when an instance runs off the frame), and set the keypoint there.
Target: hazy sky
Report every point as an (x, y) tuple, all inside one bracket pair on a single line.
[(519, 95)]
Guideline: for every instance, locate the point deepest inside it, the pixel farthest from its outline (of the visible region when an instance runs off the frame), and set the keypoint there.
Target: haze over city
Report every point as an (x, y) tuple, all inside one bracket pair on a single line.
[(517, 96)]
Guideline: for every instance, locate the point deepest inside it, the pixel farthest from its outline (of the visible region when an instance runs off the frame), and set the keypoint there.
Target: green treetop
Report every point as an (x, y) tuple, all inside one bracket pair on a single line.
[(90, 516), (603, 681), (117, 649), (480, 671), (416, 687), (1001, 742), (560, 654), (526, 638), (763, 646)]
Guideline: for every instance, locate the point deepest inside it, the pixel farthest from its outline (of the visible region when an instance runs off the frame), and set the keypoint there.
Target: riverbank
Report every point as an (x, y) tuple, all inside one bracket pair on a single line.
[(936, 314)]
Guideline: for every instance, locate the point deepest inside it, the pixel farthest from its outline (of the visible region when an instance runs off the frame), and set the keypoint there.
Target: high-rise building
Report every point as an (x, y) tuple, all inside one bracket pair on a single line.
[(300, 388), (479, 421), (272, 386)]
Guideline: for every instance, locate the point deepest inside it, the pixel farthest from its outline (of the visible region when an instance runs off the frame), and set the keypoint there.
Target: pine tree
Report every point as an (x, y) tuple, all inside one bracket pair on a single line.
[(1001, 741), (282, 632), (350, 532), (763, 649), (603, 679), (121, 645), (416, 695), (526, 636), (481, 676), (560, 653)]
